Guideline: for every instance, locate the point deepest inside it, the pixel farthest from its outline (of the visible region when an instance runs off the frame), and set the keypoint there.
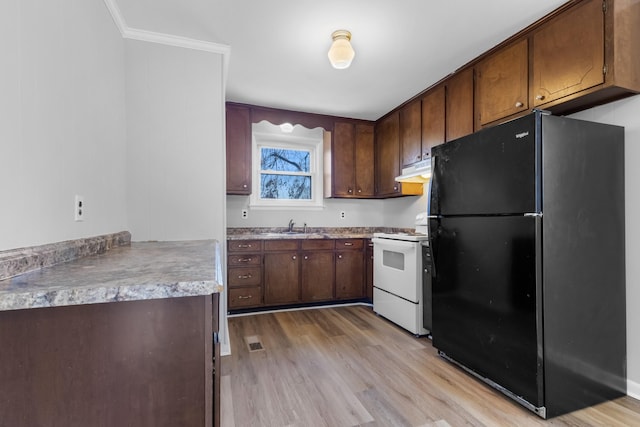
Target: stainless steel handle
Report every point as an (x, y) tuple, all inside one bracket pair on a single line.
[(246, 276), (348, 244), (244, 246), (519, 104), (244, 259), (247, 297)]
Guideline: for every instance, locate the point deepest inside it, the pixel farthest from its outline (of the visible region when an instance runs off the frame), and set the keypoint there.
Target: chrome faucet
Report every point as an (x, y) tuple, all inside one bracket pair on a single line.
[(291, 223)]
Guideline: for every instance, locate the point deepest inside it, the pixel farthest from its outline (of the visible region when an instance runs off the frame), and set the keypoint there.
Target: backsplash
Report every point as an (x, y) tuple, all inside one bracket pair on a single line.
[(18, 261)]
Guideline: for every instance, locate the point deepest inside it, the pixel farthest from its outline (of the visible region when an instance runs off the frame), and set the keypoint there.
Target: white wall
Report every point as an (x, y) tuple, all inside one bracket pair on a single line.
[(62, 121), (176, 151), (358, 213), (625, 113)]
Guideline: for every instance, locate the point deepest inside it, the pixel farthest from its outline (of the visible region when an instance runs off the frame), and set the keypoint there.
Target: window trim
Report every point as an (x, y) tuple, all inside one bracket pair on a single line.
[(265, 134)]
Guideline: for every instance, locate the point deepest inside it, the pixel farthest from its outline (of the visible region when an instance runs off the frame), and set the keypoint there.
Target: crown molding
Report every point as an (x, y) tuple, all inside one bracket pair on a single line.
[(166, 39)]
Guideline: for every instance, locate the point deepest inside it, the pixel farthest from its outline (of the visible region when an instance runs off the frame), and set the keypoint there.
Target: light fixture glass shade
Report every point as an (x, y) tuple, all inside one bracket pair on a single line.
[(341, 53)]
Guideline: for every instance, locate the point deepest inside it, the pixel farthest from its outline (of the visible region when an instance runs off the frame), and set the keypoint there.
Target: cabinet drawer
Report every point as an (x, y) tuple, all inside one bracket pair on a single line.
[(242, 276), (317, 244), (281, 245), (245, 297), (245, 259), (245, 245), (349, 244)]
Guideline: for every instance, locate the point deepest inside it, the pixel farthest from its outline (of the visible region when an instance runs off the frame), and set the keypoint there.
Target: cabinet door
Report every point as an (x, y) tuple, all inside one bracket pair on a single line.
[(349, 274), (238, 150), (411, 133), (459, 104), (388, 155), (568, 53), (433, 120), (364, 160), (317, 269), (502, 83), (281, 278), (343, 156)]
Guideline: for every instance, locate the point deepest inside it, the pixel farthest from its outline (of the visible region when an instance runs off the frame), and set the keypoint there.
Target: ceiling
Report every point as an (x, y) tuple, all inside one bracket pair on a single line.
[(279, 47)]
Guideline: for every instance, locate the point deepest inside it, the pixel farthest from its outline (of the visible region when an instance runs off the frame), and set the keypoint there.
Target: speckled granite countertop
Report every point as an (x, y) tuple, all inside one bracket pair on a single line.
[(267, 233), (149, 270)]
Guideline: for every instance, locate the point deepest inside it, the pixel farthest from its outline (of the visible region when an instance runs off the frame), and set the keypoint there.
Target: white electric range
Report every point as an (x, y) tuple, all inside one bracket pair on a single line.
[(397, 276)]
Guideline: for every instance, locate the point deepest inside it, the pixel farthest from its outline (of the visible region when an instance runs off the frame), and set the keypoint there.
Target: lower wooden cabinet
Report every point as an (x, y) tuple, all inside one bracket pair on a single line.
[(295, 271)]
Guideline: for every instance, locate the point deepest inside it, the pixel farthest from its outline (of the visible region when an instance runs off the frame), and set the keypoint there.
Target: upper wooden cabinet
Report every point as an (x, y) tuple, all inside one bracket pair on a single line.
[(459, 104), (387, 160), (433, 119), (568, 53), (353, 160), (388, 155), (502, 83), (238, 128), (411, 133)]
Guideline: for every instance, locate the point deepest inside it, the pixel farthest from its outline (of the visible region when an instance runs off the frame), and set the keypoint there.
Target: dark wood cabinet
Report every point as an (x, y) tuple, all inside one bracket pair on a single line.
[(388, 155), (238, 128), (317, 270), (568, 53), (131, 363), (353, 160), (502, 83), (244, 274), (459, 104), (349, 268), (411, 133), (281, 271), (387, 159), (433, 119)]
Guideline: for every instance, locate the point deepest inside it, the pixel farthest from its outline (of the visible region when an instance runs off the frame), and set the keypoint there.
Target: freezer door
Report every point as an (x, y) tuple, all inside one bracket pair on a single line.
[(485, 313), (493, 171)]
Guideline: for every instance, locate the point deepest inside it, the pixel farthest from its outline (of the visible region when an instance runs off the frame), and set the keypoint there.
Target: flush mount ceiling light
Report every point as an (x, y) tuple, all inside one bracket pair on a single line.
[(341, 53)]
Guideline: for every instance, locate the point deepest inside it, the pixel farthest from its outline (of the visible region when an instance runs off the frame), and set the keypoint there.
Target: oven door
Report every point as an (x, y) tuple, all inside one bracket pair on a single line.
[(397, 268)]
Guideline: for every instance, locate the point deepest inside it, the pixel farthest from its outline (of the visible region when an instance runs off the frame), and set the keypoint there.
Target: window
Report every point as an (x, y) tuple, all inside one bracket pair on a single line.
[(287, 167)]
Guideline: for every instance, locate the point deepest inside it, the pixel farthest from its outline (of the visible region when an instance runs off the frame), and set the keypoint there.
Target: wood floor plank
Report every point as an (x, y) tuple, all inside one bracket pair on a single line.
[(345, 366)]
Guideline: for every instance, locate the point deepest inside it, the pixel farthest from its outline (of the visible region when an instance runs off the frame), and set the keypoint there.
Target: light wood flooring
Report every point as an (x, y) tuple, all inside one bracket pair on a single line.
[(345, 366)]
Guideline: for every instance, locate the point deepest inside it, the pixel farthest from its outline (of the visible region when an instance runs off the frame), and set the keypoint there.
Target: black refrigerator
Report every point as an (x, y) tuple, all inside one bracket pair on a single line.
[(526, 226)]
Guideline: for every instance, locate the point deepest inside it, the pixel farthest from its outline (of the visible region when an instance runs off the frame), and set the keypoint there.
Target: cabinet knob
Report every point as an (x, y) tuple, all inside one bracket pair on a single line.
[(425, 156), (294, 257), (395, 188), (339, 256), (418, 157), (519, 104), (539, 97), (306, 257), (244, 185), (359, 190), (350, 191)]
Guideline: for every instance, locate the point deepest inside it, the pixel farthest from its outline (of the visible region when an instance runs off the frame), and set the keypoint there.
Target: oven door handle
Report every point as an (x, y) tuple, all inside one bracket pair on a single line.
[(410, 246)]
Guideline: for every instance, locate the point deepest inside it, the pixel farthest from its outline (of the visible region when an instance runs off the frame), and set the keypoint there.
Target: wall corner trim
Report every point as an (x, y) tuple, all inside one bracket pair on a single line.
[(166, 39)]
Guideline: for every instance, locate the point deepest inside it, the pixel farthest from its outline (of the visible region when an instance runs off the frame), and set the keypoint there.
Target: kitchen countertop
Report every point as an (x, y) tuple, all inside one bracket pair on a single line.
[(141, 271), (275, 233)]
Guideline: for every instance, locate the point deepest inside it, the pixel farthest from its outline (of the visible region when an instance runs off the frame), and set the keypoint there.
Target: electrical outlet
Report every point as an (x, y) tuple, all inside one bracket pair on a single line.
[(245, 214), (342, 215), (79, 208)]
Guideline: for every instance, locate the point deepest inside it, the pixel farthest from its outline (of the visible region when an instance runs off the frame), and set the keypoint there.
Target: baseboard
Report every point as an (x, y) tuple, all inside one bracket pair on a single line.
[(633, 389)]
